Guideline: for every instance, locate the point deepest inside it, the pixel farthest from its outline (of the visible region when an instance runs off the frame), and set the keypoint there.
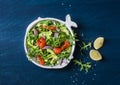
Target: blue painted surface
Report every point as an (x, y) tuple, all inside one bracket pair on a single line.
[(95, 18)]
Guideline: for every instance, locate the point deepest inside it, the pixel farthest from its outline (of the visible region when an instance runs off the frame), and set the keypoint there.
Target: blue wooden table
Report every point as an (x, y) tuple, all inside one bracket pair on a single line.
[(94, 18)]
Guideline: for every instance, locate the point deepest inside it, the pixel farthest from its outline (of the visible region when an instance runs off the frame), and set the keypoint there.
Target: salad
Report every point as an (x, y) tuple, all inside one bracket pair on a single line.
[(49, 42)]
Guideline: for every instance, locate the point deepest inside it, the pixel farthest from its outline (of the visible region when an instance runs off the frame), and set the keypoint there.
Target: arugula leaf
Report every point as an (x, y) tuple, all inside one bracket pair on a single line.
[(86, 46), (56, 42), (46, 34), (34, 52), (83, 66)]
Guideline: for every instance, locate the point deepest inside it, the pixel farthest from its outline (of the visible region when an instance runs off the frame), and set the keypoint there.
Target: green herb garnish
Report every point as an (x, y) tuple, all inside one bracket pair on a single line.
[(83, 66), (85, 46)]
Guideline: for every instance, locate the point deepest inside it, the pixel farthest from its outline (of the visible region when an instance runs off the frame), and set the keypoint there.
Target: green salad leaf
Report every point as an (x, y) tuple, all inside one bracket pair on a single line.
[(86, 46), (83, 66)]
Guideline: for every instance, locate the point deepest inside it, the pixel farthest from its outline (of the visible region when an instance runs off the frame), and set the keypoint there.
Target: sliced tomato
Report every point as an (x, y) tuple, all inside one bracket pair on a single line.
[(57, 50), (65, 45), (40, 60), (41, 42), (42, 39), (52, 27)]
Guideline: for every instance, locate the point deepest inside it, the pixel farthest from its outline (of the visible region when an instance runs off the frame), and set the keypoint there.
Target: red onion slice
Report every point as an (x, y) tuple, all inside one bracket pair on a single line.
[(56, 34), (47, 47), (65, 61), (60, 61), (35, 32)]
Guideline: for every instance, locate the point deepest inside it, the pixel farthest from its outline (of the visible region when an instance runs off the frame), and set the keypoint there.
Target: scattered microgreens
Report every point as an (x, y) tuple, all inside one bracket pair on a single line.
[(85, 47), (83, 66)]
